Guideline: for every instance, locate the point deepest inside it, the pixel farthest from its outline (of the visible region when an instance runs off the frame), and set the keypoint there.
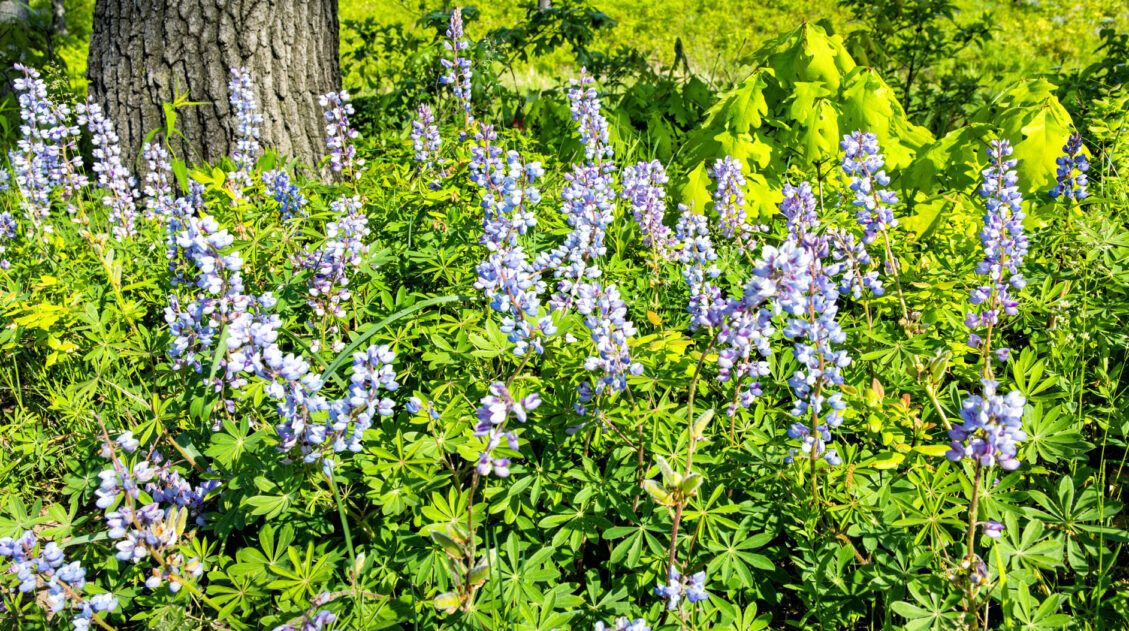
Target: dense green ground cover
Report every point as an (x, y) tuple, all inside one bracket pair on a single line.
[(603, 494)]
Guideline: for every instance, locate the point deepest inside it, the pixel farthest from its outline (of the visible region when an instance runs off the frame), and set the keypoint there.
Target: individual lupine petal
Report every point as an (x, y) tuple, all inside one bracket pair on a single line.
[(1072, 181), (248, 122), (696, 588), (127, 443), (992, 529)]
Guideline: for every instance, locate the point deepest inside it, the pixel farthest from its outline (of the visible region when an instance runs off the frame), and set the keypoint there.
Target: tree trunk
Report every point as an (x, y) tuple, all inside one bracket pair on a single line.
[(58, 17), (14, 14), (144, 53)]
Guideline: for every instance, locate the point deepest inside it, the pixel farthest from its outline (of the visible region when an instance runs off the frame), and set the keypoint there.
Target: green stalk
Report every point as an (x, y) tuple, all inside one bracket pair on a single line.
[(358, 598)]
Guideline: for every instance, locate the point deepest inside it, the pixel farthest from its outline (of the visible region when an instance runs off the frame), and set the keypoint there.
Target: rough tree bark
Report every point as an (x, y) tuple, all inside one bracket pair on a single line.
[(58, 17), (143, 53), (14, 13)]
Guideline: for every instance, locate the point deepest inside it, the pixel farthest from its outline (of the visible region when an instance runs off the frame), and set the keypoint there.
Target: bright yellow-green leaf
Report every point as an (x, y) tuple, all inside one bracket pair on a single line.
[(1044, 134), (804, 96), (696, 191), (820, 140), (927, 217), (41, 316), (887, 460), (931, 450), (746, 107), (56, 344)]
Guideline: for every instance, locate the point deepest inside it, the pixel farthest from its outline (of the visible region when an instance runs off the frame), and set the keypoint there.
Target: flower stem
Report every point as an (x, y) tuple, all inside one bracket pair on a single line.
[(360, 601), (892, 264), (681, 501), (970, 558)]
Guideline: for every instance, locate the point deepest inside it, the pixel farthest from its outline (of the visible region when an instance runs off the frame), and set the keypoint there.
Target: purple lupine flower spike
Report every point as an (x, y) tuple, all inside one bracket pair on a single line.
[(991, 430), (1003, 240), (282, 189), (34, 564), (340, 135), (457, 69), (160, 203), (677, 587), (588, 200), (494, 411), (809, 297), (644, 187), (1071, 173), (113, 176), (248, 127), (329, 264), (510, 281), (863, 162), (605, 316), (426, 141), (729, 200), (697, 256), (46, 157)]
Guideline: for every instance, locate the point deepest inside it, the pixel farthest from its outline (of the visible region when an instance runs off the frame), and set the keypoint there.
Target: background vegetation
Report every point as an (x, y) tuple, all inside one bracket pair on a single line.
[(571, 538)]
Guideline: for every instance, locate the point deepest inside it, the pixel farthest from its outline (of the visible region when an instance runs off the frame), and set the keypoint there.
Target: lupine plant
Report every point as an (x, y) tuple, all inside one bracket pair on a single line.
[(462, 377)]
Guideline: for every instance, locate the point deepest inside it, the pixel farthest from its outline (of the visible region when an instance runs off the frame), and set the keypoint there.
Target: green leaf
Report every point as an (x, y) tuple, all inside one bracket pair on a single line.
[(372, 330), (270, 506)]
